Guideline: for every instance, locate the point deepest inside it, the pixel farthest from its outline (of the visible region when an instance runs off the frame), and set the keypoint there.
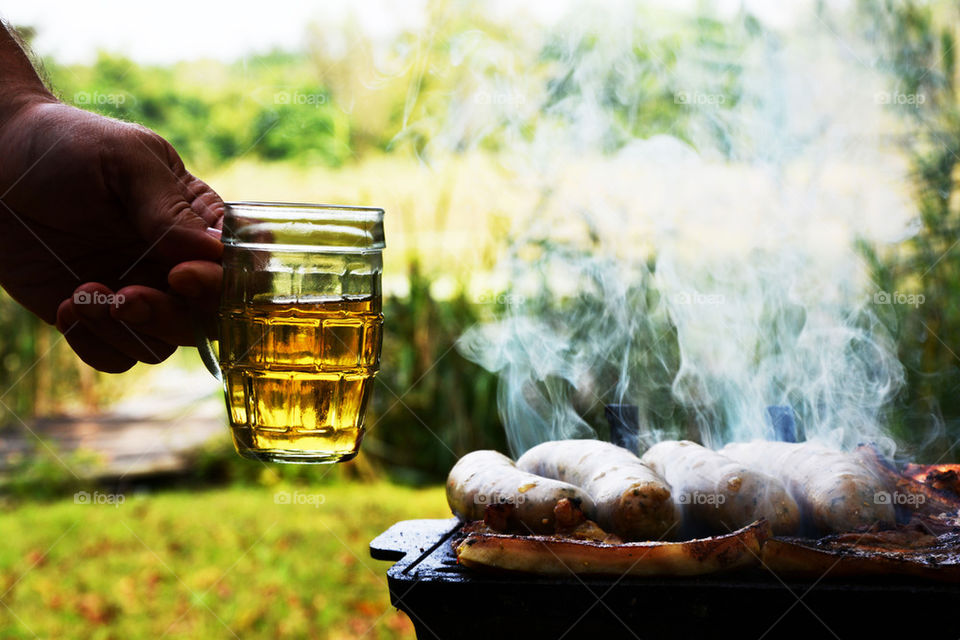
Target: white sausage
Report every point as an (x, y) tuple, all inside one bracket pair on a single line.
[(719, 495), (835, 491), (485, 477), (630, 499)]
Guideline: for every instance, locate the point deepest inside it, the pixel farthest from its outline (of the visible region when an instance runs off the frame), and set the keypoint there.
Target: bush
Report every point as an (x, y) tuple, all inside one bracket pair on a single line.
[(921, 57), (430, 405), (46, 473), (272, 107)]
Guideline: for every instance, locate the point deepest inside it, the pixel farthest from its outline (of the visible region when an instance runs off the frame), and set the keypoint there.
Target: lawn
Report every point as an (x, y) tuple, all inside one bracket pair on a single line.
[(232, 562)]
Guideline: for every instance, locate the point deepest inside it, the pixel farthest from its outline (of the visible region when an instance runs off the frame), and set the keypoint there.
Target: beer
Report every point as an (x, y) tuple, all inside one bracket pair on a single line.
[(298, 376), (300, 327)]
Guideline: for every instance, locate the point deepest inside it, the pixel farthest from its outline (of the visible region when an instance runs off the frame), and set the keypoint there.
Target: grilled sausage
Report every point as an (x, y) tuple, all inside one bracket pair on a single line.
[(629, 499), (717, 494), (836, 492), (486, 478)]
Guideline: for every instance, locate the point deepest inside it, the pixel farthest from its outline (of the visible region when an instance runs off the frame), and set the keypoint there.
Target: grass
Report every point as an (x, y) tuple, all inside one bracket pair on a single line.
[(223, 563)]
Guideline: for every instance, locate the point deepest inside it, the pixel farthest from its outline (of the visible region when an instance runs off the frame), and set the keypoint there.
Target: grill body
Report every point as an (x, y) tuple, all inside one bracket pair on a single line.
[(447, 601)]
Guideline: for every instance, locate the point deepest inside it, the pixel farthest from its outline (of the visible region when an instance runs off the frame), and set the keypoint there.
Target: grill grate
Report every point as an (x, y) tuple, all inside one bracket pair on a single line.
[(447, 601)]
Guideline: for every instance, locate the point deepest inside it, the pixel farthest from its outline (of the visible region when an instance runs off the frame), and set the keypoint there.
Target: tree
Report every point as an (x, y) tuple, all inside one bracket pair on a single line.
[(917, 45)]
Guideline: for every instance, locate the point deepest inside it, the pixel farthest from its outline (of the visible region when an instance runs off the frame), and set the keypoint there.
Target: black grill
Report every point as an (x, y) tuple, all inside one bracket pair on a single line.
[(447, 601)]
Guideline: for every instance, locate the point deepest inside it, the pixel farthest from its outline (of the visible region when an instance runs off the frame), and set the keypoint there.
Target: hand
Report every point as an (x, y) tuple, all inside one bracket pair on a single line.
[(104, 233)]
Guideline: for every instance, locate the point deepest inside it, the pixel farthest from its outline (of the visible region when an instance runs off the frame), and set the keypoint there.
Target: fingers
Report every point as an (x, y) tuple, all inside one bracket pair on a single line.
[(112, 331), (170, 317), (205, 202), (87, 346), (97, 320), (156, 314), (197, 279), (199, 282), (101, 340)]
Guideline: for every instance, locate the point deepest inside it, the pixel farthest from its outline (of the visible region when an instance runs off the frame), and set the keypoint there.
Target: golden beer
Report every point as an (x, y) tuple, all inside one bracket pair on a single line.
[(300, 327), (298, 376)]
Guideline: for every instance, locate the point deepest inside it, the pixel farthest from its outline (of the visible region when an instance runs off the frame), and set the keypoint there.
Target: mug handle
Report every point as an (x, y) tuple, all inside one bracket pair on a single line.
[(205, 348)]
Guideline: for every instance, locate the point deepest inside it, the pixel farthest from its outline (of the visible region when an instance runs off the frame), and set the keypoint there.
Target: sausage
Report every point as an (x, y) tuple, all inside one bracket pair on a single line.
[(717, 494), (836, 492), (486, 478), (629, 499)]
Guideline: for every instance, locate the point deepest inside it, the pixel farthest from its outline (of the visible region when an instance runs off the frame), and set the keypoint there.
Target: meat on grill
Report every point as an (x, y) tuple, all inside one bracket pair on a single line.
[(907, 551), (483, 479), (629, 499), (563, 555), (835, 490), (717, 494), (847, 495)]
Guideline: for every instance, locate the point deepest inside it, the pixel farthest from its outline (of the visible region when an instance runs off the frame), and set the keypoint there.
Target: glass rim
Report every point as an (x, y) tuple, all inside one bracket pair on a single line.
[(304, 227), (300, 208)]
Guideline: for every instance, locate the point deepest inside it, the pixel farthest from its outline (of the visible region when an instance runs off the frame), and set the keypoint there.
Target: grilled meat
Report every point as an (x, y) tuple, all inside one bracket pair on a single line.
[(518, 501), (563, 555), (849, 493), (717, 494), (835, 490), (943, 477), (629, 499), (911, 495), (906, 551)]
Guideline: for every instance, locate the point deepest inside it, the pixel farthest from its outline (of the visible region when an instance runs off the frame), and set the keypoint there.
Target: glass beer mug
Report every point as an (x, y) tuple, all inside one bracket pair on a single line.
[(300, 328)]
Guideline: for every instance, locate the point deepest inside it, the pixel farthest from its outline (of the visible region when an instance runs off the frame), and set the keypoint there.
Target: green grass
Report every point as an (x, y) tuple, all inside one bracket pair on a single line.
[(206, 564)]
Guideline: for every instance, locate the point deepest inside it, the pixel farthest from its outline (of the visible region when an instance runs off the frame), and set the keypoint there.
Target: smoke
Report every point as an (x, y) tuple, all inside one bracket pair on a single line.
[(701, 183)]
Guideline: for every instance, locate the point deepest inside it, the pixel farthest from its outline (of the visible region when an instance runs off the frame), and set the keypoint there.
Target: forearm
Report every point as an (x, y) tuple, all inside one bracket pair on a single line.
[(19, 82)]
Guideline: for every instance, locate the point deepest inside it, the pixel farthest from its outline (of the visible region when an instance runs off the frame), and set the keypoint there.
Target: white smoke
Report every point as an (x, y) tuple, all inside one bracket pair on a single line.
[(706, 279)]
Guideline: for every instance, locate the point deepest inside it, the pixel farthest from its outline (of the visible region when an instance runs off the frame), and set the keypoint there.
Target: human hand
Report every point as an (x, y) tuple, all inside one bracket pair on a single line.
[(104, 233)]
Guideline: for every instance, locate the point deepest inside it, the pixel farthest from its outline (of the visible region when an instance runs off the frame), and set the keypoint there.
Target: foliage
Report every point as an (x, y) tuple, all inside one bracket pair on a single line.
[(273, 107), (921, 58), (328, 106), (656, 84), (45, 473), (430, 405), (39, 374), (16, 355), (265, 563)]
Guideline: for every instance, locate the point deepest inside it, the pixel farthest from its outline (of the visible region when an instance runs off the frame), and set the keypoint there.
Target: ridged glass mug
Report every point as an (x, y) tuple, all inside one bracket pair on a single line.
[(300, 328)]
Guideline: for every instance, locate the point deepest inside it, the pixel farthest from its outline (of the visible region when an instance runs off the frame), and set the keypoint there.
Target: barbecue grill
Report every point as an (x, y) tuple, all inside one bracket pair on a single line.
[(447, 601)]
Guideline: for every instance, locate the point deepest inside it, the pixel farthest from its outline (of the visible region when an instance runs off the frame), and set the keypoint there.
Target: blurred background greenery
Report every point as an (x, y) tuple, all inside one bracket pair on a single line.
[(310, 125), (316, 124)]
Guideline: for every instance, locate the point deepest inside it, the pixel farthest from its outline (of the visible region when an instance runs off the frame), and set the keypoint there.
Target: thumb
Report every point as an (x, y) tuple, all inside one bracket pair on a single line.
[(170, 208)]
